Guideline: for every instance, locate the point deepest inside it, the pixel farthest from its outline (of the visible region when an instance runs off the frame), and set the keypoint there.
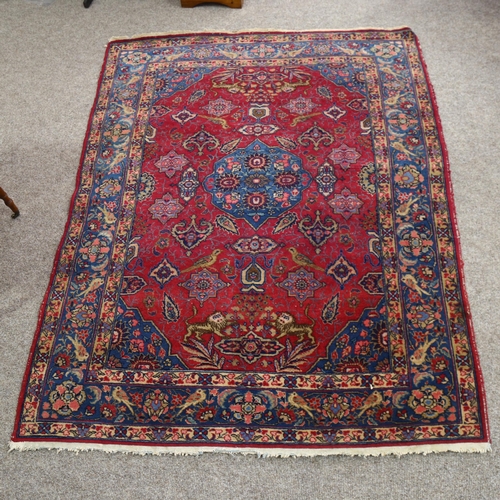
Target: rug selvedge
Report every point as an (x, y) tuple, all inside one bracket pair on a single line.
[(260, 254)]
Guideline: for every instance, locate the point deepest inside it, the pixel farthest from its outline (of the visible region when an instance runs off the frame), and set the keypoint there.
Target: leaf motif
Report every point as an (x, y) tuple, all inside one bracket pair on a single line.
[(286, 143), (195, 96), (230, 146), (324, 92), (227, 224), (207, 359), (330, 310), (294, 357), (170, 309), (285, 222)]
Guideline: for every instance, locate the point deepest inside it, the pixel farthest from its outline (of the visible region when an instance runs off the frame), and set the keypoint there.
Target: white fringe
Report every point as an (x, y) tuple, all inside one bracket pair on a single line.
[(261, 452)]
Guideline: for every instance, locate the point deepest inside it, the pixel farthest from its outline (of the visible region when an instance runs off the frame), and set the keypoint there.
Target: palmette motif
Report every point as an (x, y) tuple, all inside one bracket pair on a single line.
[(260, 253)]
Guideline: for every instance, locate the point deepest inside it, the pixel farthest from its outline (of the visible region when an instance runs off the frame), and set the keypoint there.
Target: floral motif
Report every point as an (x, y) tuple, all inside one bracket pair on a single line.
[(373, 283), (415, 243), (164, 272), (326, 179), (203, 285), (110, 187), (200, 141), (368, 178), (429, 401), (408, 177), (184, 116), (334, 112), (341, 270), (380, 337), (319, 231), (344, 156), (67, 398), (423, 315), (316, 136), (171, 163), (258, 129), (190, 235), (94, 253), (254, 245), (188, 184), (259, 111), (330, 310), (400, 121), (351, 365), (336, 407), (249, 407), (81, 315), (171, 310), (301, 285), (251, 347), (301, 106), (165, 208), (346, 203), (156, 404), (219, 107), (146, 187)]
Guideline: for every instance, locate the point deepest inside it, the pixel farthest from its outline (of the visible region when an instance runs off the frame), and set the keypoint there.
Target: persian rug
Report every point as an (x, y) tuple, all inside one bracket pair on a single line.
[(261, 256)]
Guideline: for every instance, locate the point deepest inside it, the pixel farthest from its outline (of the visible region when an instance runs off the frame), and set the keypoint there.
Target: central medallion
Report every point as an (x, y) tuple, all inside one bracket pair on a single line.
[(257, 183)]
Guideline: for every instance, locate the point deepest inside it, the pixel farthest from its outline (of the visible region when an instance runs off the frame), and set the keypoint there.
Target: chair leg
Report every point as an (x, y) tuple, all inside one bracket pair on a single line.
[(9, 203), (234, 4), (87, 3)]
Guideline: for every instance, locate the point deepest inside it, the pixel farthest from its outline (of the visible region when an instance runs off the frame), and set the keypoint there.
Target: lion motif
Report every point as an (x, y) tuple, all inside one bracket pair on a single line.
[(287, 325), (216, 323)]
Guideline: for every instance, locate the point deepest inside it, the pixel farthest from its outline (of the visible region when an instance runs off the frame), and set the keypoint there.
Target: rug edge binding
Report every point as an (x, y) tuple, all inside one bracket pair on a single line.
[(246, 31), (260, 452)]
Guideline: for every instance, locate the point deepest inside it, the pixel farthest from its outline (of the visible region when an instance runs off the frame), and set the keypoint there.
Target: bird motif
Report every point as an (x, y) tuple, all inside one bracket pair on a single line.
[(228, 53), (399, 147), (217, 120), (109, 217), (419, 356), (374, 399), (390, 72), (207, 261), (81, 353), (121, 396), (303, 118), (133, 79), (302, 260), (119, 157), (299, 402), (410, 281), (127, 109), (404, 209), (93, 285), (393, 100), (194, 399)]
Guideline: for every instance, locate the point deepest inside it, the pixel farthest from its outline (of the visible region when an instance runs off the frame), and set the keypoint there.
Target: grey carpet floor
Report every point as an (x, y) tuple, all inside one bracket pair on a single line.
[(50, 57)]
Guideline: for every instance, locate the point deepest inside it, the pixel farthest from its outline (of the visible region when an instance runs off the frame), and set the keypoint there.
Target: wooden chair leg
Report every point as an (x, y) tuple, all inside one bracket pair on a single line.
[(9, 203), (234, 4)]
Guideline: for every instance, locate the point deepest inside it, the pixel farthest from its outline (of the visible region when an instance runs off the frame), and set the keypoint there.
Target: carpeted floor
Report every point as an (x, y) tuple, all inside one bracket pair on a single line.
[(50, 57)]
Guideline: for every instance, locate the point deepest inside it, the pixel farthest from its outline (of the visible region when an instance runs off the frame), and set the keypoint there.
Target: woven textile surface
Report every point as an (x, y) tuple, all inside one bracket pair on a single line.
[(260, 256)]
